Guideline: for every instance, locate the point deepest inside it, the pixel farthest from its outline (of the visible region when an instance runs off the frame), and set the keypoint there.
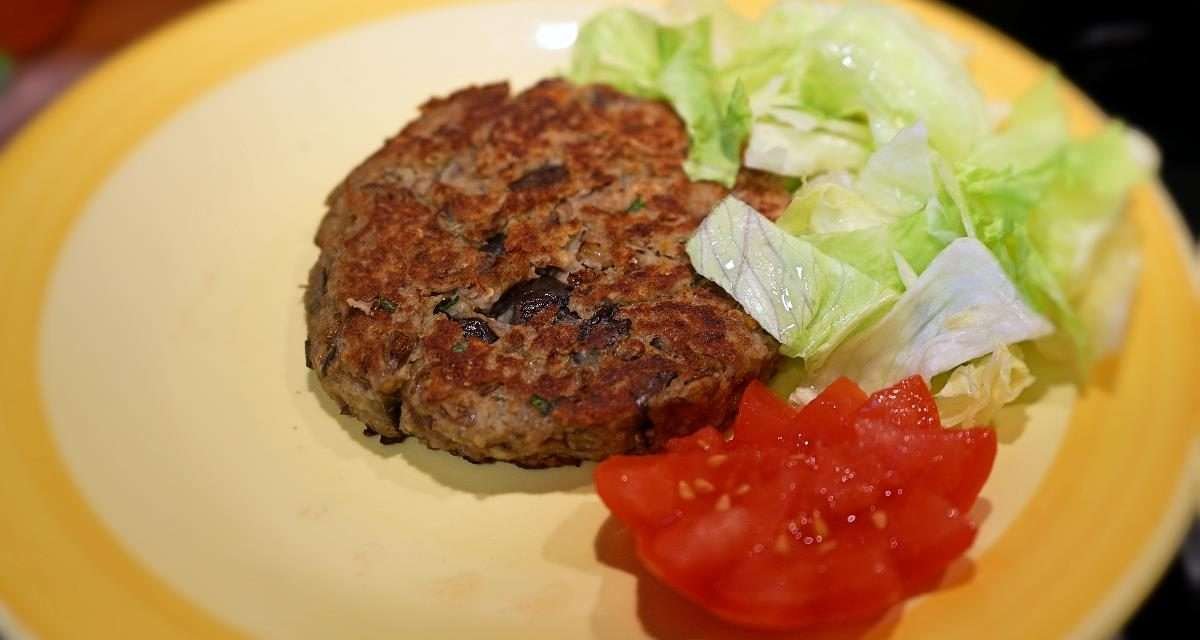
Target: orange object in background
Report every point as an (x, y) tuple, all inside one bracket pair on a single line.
[(27, 25)]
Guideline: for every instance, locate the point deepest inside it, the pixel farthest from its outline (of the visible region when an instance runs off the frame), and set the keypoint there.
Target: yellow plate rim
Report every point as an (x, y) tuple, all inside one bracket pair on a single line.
[(64, 551)]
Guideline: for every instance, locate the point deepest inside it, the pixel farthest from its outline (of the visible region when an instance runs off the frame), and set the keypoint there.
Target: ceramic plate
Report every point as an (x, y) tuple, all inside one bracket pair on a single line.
[(167, 468)]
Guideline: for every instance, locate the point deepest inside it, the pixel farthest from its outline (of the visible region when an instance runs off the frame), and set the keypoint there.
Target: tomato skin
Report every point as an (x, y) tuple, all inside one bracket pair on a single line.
[(829, 417), (936, 534), (832, 587), (981, 445), (812, 517), (704, 440), (954, 462), (638, 490), (695, 550), (907, 404), (763, 418)]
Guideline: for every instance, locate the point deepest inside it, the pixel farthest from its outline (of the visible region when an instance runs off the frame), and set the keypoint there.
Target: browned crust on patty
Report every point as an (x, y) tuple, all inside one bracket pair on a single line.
[(506, 279)]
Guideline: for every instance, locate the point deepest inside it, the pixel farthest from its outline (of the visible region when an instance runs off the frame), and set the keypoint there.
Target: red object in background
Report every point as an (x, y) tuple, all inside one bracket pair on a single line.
[(27, 25), (826, 515)]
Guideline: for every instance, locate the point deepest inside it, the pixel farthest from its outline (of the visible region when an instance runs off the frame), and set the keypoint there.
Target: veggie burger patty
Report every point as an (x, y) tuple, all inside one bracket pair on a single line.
[(506, 280)]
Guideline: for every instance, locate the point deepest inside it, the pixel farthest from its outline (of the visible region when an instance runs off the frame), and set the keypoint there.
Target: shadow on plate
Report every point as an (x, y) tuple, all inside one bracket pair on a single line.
[(980, 511), (1106, 372), (1010, 422), (1102, 376), (453, 472)]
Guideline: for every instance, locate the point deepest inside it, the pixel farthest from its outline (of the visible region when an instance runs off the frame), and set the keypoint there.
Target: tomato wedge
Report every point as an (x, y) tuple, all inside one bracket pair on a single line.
[(812, 517)]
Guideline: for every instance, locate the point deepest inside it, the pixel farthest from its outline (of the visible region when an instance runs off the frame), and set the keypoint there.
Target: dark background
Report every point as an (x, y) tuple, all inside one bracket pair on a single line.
[(1139, 61)]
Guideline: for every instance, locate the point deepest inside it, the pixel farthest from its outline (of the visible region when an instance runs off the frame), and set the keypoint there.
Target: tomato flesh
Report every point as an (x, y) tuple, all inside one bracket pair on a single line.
[(828, 514)]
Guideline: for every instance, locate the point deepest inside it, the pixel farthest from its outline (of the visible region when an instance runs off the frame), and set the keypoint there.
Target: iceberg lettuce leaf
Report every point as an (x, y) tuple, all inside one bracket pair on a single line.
[(961, 308), (878, 120), (976, 391), (635, 54), (916, 238), (1106, 300), (807, 300), (883, 64), (900, 204), (896, 180), (791, 151), (1083, 201), (1036, 130), (621, 48)]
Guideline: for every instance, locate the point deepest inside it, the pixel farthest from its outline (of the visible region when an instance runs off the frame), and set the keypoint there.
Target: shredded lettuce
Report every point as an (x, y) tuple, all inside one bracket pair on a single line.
[(1036, 129), (745, 48), (898, 179), (880, 63), (1044, 204), (843, 71), (1084, 202), (773, 49), (635, 54), (922, 237), (976, 391), (1000, 204), (961, 308), (1106, 299), (789, 139), (808, 301), (826, 83), (831, 204), (800, 148), (912, 241), (1045, 222), (627, 50), (898, 205)]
